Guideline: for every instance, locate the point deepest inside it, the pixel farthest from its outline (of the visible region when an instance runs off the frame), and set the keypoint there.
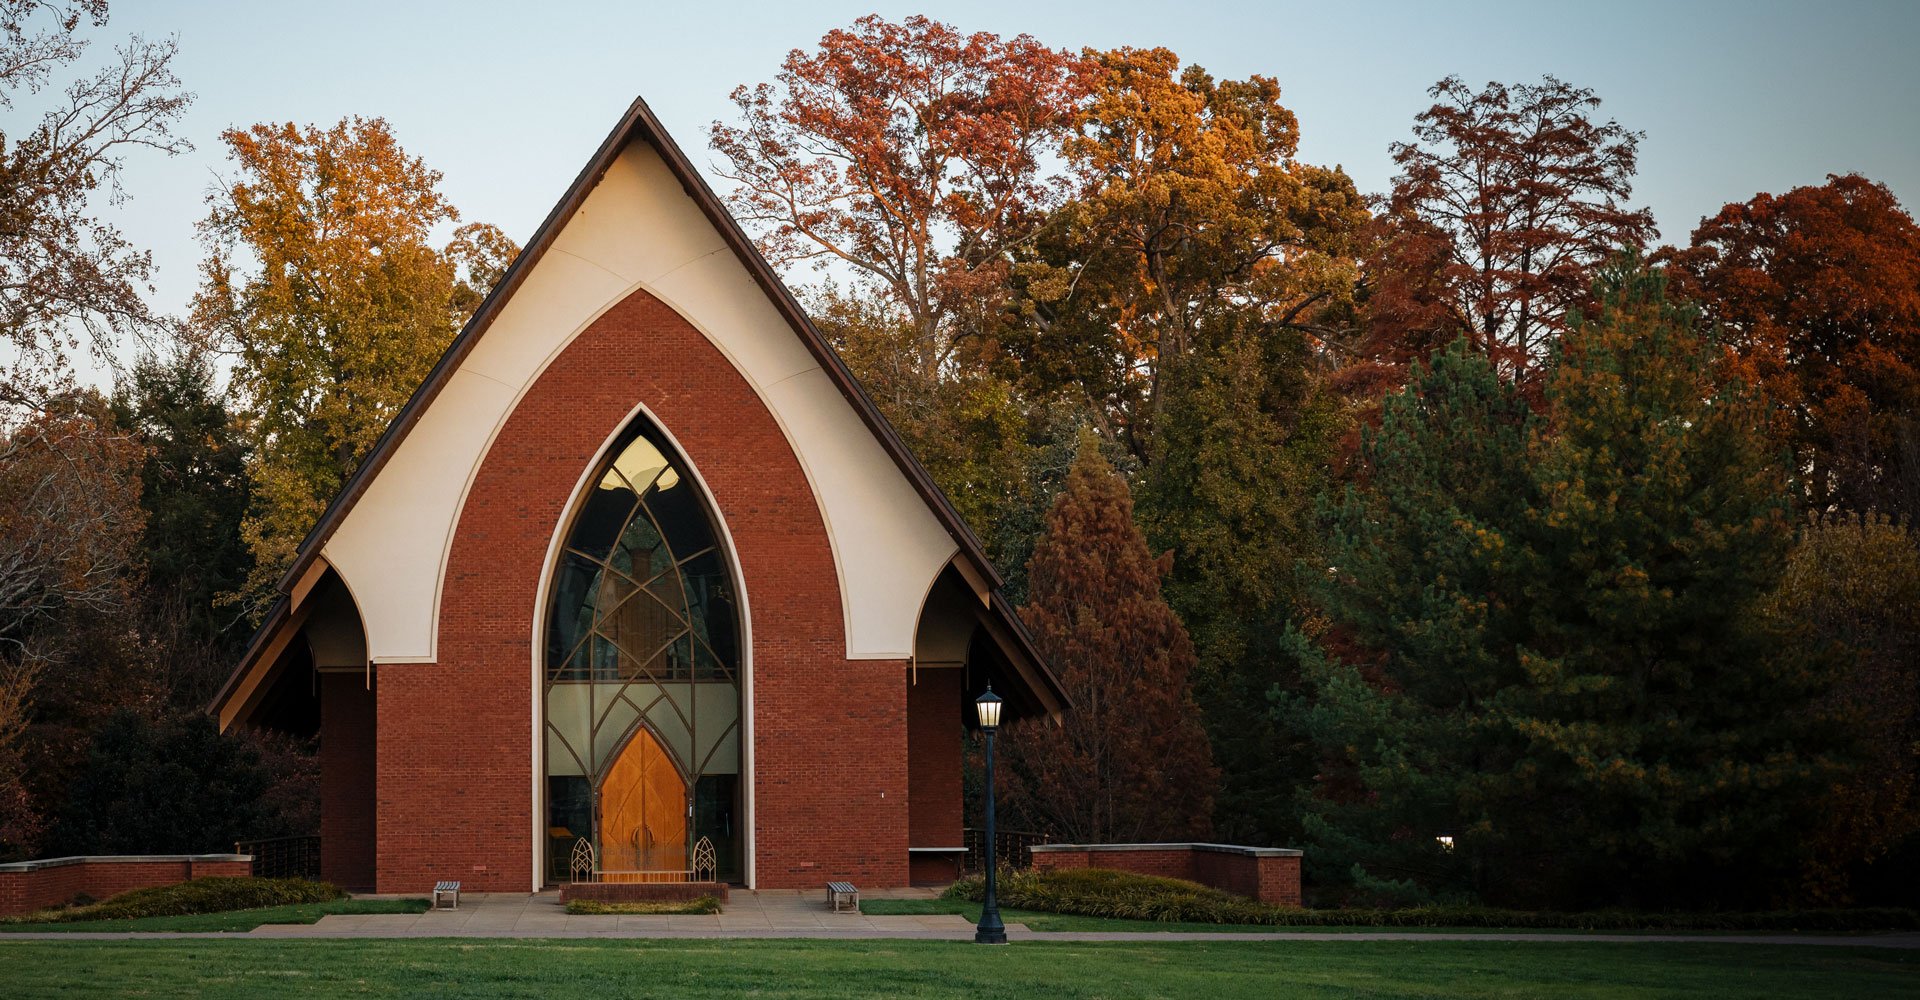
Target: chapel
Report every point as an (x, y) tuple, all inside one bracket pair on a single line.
[(639, 567)]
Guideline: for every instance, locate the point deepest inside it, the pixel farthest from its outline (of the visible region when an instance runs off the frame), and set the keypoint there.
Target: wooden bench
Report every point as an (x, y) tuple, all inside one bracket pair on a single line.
[(445, 890), (844, 896)]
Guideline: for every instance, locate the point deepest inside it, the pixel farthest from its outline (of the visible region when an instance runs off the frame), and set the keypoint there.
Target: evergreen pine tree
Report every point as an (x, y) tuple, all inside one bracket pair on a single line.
[(1238, 457), (1553, 654)]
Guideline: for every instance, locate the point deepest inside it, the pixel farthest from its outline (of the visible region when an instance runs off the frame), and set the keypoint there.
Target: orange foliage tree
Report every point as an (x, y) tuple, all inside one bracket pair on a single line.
[(1130, 761), (1191, 220), (1818, 290), (910, 153), (1506, 203)]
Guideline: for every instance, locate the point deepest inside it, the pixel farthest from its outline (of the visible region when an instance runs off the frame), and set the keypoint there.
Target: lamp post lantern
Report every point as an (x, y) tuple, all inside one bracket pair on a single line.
[(991, 930)]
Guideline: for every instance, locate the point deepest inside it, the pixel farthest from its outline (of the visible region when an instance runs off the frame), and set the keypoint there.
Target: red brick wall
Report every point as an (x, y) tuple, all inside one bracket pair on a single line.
[(1279, 881), (934, 810), (642, 892), (1047, 861), (1269, 879), (831, 788), (347, 781), (933, 759), (1171, 863), (24, 892)]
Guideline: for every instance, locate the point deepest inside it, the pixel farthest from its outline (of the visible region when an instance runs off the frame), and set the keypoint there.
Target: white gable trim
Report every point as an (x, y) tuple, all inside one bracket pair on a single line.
[(638, 229)]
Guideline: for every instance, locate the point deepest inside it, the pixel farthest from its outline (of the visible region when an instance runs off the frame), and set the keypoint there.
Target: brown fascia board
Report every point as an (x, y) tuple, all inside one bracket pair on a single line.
[(638, 122), (262, 637)]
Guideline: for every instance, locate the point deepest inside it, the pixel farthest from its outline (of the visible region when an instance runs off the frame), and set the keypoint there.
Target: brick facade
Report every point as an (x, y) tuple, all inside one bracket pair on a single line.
[(347, 781), (35, 885), (830, 751), (1268, 874), (935, 701)]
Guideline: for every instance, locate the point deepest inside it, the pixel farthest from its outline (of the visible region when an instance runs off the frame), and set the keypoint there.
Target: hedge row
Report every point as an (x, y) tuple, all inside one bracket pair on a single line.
[(1094, 892), (201, 895)]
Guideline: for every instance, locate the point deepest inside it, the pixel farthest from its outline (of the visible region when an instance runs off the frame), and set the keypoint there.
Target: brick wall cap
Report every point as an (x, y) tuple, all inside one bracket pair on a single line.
[(1255, 852), (121, 859)]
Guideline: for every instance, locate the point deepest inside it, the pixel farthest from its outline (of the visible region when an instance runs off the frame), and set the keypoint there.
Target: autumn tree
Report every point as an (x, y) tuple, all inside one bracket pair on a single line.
[(1130, 762), (70, 523), (323, 280), (912, 155), (1506, 202), (1188, 207), (1854, 581), (1545, 640), (71, 520), (69, 282), (1819, 290)]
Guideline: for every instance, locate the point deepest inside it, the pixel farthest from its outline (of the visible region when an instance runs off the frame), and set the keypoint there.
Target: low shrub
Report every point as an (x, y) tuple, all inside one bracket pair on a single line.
[(201, 895), (1095, 892), (704, 904)]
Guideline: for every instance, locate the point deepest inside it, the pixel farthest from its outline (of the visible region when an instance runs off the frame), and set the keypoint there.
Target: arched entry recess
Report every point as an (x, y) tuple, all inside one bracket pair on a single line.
[(642, 676)]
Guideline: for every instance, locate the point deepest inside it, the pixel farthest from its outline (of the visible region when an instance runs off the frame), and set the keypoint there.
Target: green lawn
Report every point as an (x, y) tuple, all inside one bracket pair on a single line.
[(1038, 921), (1045, 922), (585, 969), (233, 920)]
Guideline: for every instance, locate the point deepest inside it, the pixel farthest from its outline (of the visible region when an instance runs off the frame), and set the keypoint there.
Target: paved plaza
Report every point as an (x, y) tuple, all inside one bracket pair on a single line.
[(790, 913), (783, 913)]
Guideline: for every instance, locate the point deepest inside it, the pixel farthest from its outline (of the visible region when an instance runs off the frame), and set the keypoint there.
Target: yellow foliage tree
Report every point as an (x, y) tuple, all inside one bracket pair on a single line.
[(323, 279)]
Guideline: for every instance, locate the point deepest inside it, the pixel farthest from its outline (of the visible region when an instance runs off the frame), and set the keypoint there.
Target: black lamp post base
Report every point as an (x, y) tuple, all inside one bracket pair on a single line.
[(996, 936)]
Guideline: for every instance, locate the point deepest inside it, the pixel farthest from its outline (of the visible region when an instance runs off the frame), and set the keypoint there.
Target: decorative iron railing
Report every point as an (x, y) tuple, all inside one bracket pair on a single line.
[(283, 857), (1009, 847)]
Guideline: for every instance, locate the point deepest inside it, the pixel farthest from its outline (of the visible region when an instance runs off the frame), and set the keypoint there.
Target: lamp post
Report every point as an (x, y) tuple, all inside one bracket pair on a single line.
[(991, 930)]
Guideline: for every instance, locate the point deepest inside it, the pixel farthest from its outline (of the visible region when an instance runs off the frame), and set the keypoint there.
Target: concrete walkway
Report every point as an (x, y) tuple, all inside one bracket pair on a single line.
[(793, 914), (772, 913)]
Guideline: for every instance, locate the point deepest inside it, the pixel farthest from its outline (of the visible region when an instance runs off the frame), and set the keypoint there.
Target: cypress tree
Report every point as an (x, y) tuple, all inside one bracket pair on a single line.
[(1130, 762)]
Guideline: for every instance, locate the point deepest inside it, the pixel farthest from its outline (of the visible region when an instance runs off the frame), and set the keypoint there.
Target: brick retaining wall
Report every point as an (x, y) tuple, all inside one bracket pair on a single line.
[(1268, 874), (642, 892), (27, 886)]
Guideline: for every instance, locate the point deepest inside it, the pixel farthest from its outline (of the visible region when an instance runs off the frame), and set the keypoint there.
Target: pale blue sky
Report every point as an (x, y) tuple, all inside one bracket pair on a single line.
[(509, 99)]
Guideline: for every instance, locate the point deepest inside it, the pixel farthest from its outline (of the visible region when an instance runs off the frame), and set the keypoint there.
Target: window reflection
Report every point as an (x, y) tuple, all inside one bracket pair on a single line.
[(641, 651)]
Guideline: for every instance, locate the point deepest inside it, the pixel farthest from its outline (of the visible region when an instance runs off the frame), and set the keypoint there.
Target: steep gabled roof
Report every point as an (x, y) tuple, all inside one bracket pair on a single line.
[(639, 123)]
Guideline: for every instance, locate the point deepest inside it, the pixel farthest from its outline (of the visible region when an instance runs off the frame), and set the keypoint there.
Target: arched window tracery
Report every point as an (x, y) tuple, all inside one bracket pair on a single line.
[(642, 670)]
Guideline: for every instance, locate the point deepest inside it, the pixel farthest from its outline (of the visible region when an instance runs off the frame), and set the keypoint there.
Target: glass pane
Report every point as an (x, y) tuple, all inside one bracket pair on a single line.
[(714, 804), (606, 659), (576, 668), (667, 590), (706, 667), (640, 553), (569, 817), (640, 462), (601, 517), (710, 606), (612, 593), (572, 606), (677, 509), (641, 632)]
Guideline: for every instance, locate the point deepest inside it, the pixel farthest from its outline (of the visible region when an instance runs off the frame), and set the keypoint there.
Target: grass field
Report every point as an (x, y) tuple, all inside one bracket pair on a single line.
[(1049, 922), (233, 920), (1037, 921), (585, 969)]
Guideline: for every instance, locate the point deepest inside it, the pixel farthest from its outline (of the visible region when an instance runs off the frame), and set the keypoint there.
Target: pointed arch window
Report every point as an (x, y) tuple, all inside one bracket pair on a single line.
[(642, 665)]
